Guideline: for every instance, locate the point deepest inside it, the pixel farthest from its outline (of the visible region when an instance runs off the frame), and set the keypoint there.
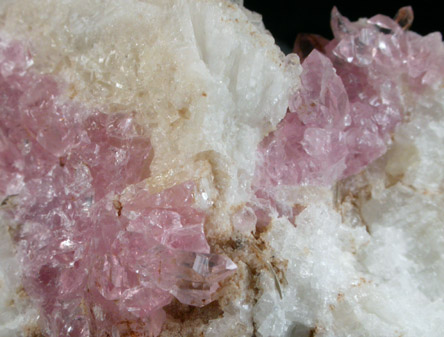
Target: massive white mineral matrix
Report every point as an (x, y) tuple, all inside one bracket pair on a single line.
[(165, 170)]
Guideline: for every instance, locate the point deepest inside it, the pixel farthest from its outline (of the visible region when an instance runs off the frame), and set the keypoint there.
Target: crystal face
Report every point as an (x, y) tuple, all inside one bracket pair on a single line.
[(89, 232)]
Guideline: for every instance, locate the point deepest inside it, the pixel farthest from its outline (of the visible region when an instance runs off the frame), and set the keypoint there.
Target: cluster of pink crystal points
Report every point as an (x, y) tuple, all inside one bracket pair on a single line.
[(98, 250), (351, 99)]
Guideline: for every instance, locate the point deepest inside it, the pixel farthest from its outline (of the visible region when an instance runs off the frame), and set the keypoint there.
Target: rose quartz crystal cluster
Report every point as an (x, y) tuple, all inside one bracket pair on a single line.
[(350, 100), (99, 251)]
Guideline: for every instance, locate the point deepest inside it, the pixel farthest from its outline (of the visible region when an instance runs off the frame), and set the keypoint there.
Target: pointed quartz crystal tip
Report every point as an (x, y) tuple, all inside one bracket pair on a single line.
[(199, 275), (309, 143)]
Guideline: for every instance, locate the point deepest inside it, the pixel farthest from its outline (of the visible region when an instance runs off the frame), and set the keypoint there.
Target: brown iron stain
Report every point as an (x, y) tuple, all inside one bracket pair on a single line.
[(33, 331), (184, 113), (62, 161), (313, 332), (297, 209), (182, 312), (15, 232), (21, 292), (73, 92), (278, 282), (118, 206), (9, 200), (340, 297)]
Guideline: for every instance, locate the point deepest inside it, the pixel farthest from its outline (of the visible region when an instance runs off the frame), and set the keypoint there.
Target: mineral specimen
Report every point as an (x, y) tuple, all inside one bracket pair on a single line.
[(166, 171)]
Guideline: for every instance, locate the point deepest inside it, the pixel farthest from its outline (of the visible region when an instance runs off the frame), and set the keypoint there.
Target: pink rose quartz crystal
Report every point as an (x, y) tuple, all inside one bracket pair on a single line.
[(100, 251), (349, 103), (97, 247)]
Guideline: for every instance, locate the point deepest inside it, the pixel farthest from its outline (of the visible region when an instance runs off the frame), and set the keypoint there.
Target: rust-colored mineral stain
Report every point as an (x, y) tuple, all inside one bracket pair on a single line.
[(118, 206)]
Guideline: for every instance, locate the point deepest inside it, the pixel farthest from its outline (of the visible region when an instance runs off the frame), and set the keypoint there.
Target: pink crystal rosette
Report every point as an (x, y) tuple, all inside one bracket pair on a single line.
[(352, 97)]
